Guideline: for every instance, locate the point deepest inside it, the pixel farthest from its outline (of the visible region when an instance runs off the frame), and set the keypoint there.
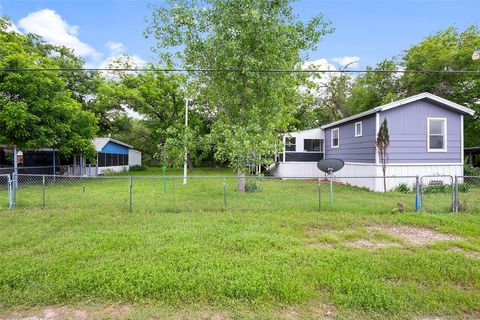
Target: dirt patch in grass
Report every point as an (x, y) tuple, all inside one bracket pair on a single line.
[(379, 237), (68, 312), (362, 243), (470, 254), (418, 236)]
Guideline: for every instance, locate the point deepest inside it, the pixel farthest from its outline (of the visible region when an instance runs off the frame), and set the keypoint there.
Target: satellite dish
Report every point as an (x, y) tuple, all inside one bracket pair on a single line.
[(330, 165)]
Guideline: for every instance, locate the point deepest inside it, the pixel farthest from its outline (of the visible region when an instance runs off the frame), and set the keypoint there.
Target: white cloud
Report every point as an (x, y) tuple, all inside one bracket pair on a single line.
[(118, 58), (334, 64), (320, 64), (54, 29), (350, 61), (115, 48)]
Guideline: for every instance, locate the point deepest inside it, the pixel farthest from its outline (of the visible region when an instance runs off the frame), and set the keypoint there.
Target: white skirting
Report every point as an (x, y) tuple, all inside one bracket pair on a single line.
[(370, 175), (103, 170), (295, 169)]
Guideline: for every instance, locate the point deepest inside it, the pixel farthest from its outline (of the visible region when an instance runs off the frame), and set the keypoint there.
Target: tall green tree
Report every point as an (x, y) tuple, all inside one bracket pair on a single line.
[(449, 49), (36, 108), (374, 89), (159, 100), (250, 108)]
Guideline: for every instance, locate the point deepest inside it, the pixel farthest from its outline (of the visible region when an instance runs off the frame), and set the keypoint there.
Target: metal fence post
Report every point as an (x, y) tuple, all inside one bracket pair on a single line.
[(131, 187), (422, 194), (225, 193), (319, 194), (43, 192), (10, 195), (331, 190), (14, 189), (456, 197), (418, 203)]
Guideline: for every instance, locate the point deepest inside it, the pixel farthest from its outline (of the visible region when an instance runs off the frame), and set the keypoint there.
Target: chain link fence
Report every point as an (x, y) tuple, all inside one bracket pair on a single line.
[(467, 193), (5, 191), (214, 194)]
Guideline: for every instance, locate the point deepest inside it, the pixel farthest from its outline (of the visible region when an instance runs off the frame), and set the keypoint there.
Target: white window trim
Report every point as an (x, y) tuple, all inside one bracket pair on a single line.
[(331, 138), (444, 135), (361, 129)]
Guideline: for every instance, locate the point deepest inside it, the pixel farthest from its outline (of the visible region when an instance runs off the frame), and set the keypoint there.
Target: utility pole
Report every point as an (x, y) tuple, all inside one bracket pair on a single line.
[(185, 144)]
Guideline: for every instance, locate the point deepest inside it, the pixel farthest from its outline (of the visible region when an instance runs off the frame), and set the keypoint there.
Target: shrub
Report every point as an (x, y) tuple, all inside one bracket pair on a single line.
[(252, 186), (138, 168), (463, 187), (403, 188), (468, 170)]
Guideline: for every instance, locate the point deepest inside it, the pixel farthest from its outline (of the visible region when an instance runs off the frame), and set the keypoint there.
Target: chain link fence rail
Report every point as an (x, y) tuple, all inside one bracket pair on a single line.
[(215, 194)]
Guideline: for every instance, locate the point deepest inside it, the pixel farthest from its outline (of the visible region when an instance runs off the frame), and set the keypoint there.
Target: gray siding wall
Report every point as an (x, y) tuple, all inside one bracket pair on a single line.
[(408, 133), (351, 148)]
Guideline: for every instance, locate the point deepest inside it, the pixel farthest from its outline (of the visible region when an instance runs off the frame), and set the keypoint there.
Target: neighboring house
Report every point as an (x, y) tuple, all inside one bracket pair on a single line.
[(426, 138), (112, 155), (302, 151)]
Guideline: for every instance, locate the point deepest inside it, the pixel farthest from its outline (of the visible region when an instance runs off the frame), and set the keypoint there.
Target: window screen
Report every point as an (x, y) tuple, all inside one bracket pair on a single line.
[(290, 144), (437, 130), (335, 137), (312, 145)]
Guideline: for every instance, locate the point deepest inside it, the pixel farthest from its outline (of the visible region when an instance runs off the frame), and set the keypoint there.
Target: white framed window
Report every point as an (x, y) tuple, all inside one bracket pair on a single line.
[(436, 134), (290, 144), (358, 129), (335, 138)]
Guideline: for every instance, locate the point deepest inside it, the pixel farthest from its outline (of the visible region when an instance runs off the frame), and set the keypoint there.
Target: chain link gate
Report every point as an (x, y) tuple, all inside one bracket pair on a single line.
[(437, 193)]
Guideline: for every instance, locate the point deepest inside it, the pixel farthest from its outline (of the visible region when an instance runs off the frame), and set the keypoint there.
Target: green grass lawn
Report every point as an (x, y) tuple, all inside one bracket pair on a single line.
[(267, 255)]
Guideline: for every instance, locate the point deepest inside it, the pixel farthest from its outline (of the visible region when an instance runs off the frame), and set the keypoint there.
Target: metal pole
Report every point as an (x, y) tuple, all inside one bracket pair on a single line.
[(14, 189), (319, 194), (10, 196), (43, 192), (225, 193), (186, 155), (418, 203), (131, 187), (455, 195), (15, 166), (81, 165), (331, 189)]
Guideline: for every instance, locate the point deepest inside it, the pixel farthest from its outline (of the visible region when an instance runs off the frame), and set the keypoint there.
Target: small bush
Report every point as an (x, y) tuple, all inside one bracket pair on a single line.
[(463, 187), (468, 170), (137, 168), (252, 186), (403, 188)]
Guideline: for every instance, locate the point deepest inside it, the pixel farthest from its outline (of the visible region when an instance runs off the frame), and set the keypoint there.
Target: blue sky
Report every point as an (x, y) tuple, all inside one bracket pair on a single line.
[(369, 30)]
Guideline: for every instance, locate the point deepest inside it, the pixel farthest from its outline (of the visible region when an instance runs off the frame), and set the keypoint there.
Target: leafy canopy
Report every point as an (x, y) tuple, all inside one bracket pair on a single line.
[(36, 108), (250, 109)]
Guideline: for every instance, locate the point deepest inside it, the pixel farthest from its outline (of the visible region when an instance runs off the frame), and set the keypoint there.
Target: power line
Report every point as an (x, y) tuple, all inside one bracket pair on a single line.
[(226, 70)]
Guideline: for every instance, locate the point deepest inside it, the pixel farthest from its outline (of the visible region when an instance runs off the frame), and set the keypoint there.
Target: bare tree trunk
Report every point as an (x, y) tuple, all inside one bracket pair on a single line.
[(241, 181), (384, 168)]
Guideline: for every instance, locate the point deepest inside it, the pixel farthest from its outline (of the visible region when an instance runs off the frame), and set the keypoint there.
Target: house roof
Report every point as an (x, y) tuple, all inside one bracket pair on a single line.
[(422, 96), (99, 143)]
